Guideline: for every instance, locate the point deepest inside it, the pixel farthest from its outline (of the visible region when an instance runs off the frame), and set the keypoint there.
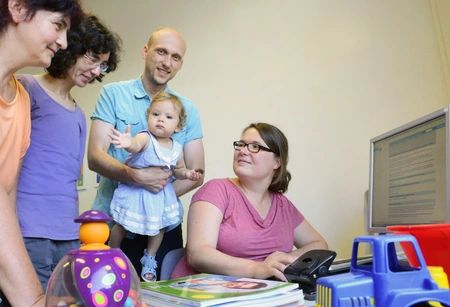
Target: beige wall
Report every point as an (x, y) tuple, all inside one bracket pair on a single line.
[(441, 16), (331, 74)]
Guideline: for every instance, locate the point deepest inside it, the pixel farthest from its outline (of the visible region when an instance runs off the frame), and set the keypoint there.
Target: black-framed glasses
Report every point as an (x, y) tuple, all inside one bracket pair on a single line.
[(95, 63), (252, 147)]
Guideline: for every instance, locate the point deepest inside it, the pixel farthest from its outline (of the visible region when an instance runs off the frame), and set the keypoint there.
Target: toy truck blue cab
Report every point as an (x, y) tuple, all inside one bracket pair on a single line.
[(386, 282)]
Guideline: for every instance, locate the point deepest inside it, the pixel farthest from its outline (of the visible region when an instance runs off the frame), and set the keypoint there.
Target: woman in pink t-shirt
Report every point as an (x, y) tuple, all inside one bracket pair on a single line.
[(245, 226)]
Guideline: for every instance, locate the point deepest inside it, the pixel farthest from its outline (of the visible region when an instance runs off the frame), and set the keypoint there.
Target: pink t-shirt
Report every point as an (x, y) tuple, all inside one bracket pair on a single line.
[(243, 233), (15, 129)]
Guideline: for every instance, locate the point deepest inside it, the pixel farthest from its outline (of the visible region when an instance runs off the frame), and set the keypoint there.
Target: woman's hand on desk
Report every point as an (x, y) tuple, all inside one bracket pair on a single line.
[(272, 266)]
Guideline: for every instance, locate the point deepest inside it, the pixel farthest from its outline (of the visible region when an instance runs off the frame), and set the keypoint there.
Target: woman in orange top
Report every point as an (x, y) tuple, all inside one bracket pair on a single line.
[(30, 34)]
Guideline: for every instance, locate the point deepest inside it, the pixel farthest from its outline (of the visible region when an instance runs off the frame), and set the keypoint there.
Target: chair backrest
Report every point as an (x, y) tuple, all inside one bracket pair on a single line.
[(169, 262)]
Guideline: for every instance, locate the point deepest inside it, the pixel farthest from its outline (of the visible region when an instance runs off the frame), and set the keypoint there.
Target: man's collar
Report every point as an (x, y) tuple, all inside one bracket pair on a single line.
[(139, 90)]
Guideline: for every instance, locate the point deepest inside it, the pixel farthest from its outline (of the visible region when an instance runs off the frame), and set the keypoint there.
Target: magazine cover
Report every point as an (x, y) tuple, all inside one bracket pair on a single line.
[(207, 289)]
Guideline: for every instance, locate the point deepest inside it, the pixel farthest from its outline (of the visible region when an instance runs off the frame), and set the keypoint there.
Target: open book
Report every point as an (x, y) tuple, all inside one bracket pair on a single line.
[(203, 290)]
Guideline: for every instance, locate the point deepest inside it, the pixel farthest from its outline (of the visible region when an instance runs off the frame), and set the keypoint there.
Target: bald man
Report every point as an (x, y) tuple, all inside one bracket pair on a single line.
[(125, 103)]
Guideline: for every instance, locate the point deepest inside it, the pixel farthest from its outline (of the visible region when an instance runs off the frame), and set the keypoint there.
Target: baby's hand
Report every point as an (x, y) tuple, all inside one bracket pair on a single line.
[(121, 140), (194, 174)]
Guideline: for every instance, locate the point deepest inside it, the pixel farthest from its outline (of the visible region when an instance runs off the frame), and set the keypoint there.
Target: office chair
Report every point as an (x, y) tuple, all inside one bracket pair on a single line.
[(169, 262)]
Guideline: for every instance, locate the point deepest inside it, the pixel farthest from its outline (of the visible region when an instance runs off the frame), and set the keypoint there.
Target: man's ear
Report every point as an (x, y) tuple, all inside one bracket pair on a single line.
[(144, 52), (17, 10)]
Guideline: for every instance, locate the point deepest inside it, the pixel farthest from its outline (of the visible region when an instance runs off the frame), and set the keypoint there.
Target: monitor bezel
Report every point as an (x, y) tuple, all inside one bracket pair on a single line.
[(411, 124)]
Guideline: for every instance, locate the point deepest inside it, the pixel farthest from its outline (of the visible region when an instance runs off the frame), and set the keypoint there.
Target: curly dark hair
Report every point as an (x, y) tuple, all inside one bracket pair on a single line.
[(90, 36), (71, 8), (278, 143)]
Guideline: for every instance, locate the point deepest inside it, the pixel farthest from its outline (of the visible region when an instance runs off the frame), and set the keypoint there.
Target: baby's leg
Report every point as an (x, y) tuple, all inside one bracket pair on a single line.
[(148, 261), (117, 235), (154, 242)]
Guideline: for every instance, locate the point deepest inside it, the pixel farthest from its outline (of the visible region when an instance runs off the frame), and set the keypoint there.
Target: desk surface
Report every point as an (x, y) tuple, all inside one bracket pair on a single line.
[(310, 303)]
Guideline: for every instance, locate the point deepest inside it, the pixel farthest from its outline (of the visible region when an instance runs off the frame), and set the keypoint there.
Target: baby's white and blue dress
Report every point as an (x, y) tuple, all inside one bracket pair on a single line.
[(139, 210)]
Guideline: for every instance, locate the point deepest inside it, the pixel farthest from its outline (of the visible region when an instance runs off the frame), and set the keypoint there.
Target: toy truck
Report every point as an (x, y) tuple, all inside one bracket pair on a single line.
[(386, 282)]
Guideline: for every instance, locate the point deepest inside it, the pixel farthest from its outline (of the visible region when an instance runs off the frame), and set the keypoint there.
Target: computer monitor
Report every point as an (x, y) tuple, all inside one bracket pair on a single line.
[(410, 174)]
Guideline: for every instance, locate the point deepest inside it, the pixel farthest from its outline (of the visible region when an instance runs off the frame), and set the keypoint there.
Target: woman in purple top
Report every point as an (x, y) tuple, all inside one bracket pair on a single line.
[(47, 197), (245, 226)]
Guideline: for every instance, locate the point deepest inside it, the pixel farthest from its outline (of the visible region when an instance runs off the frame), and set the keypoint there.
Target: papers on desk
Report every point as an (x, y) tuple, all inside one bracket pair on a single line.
[(204, 290)]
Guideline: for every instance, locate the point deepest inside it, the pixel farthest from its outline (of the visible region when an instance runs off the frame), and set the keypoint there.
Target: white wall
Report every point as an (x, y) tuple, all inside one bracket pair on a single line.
[(331, 74)]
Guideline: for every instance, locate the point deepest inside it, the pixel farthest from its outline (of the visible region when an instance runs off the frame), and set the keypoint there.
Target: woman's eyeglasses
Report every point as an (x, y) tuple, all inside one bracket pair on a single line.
[(92, 61), (253, 148)]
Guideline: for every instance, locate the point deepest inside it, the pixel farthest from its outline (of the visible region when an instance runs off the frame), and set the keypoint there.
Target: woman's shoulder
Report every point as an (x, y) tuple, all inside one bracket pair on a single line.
[(287, 206), (26, 80), (213, 188), (283, 200), (218, 182), (217, 192)]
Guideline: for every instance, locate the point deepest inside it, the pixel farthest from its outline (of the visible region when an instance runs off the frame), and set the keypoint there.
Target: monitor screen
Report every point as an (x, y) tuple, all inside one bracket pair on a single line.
[(409, 174)]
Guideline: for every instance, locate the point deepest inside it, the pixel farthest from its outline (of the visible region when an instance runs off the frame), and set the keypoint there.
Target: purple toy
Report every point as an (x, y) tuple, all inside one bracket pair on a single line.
[(95, 275)]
